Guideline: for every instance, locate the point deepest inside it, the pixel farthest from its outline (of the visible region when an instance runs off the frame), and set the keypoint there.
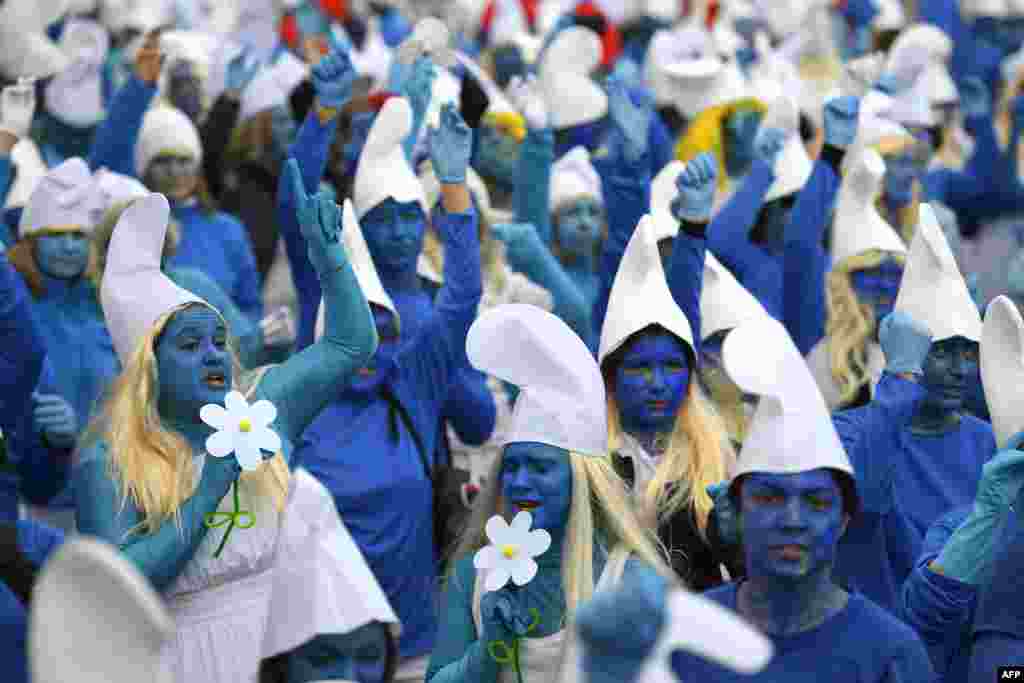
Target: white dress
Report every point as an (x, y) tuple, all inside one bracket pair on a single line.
[(275, 586)]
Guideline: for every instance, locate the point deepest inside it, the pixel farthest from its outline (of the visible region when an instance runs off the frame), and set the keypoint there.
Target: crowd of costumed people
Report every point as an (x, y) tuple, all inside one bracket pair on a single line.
[(511, 341)]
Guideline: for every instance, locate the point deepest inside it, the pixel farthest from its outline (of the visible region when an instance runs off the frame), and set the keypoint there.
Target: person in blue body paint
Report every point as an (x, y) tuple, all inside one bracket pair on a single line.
[(386, 500), (553, 466), (162, 148), (145, 481), (792, 511)]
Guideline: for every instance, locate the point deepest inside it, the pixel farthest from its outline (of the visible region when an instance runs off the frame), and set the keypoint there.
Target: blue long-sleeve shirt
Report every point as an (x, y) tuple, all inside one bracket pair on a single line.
[(940, 608), (999, 619), (113, 146)]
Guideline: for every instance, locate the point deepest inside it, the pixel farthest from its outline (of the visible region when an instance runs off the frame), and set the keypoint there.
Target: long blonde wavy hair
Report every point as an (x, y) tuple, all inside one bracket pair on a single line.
[(851, 324), (599, 512), (152, 464), (704, 134)]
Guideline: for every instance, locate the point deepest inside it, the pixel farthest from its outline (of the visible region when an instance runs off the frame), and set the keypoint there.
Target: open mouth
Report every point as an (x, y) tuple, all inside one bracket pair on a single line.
[(658, 405), (215, 380), (791, 552), (366, 372), (527, 504)]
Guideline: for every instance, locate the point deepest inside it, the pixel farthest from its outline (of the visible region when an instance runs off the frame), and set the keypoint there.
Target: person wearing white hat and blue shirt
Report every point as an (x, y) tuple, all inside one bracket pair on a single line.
[(796, 493), (913, 437)]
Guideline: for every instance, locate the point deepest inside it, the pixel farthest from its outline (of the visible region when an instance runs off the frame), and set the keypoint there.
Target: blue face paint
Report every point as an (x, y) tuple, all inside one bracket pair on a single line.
[(902, 170), (651, 382), (791, 523), (508, 63), (738, 133), (538, 478), (394, 233), (497, 155), (579, 226), (367, 379), (193, 363), (878, 287), (361, 124), (184, 89), (63, 256), (947, 367)]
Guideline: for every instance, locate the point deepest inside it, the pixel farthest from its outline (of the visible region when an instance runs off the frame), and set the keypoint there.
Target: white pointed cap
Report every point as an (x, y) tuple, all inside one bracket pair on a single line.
[(509, 21), (915, 48), (913, 106), (689, 41), (28, 51), (25, 156), (791, 430), (429, 37), (693, 82), (272, 86), (984, 8), (891, 16), (362, 266), (1015, 8), (60, 201), (663, 191), (939, 84), (858, 228), (135, 293), (640, 296), (165, 129), (496, 100), (933, 291), (384, 172), (572, 97), (572, 177), (108, 189), (877, 133), (561, 398), (793, 166), (1002, 368), (84, 584), (725, 303)]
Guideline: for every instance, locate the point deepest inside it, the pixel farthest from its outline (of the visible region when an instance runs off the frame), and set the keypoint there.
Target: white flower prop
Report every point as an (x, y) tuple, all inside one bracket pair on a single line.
[(242, 429), (511, 552)]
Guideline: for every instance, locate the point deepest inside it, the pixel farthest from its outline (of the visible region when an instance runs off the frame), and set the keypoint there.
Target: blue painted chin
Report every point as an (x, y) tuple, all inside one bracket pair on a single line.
[(193, 363), (651, 381), (537, 478), (791, 523), (63, 256), (947, 367)]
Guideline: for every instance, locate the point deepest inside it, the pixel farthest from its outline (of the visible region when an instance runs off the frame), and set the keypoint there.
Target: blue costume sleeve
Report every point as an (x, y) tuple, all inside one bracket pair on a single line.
[(686, 279), (38, 541), (310, 151), (459, 656), (626, 189), (729, 238), (999, 621), (939, 608), (6, 177), (113, 145), (470, 407), (804, 258), (531, 198)]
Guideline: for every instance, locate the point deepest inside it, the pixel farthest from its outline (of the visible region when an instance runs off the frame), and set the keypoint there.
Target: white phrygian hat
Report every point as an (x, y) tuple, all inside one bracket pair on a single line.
[(60, 201), (383, 171), (135, 293), (571, 95), (572, 177), (793, 166), (561, 400), (857, 227), (687, 42), (725, 304), (28, 51), (272, 86), (166, 129), (933, 291), (1002, 368), (75, 94)]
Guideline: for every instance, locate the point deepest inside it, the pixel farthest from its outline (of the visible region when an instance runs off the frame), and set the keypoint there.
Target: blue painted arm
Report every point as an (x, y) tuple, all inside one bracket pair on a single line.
[(310, 150), (459, 656), (531, 198), (113, 145), (626, 189), (686, 278), (470, 407), (804, 260), (6, 177), (937, 606)]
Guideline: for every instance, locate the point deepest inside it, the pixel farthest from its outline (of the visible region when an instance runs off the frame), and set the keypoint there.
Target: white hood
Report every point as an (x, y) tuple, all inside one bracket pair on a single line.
[(561, 400), (75, 95), (383, 171), (571, 95), (60, 201), (272, 86), (724, 303), (573, 177), (858, 227), (1002, 368), (793, 166), (933, 291), (166, 130)]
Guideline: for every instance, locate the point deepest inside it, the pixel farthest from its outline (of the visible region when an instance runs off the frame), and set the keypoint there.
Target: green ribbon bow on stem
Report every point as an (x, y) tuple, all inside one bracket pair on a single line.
[(243, 519), (510, 655)]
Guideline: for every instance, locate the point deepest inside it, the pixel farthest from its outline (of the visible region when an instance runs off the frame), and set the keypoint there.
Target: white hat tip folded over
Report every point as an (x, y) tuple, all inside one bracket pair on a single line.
[(792, 430), (60, 199), (793, 167), (576, 49), (1002, 368), (640, 295), (86, 583), (933, 291), (562, 395), (392, 125), (135, 293), (383, 171), (724, 303), (858, 228)]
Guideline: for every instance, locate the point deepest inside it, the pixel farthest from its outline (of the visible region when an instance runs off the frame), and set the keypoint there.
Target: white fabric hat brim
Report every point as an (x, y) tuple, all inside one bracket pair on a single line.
[(1002, 368), (724, 303), (383, 171), (857, 227)]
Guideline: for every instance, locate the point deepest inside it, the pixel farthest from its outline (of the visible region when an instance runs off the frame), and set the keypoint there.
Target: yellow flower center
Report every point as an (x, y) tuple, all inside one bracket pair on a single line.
[(245, 425), (509, 551)]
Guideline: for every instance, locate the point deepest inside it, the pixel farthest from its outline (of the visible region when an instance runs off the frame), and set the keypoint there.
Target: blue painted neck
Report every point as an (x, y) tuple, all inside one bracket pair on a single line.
[(59, 288), (782, 607), (195, 432), (402, 280), (932, 418)]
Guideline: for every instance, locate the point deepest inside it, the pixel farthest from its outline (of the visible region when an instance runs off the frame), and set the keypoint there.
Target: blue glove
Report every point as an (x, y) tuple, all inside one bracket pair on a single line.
[(841, 116), (859, 12), (502, 617), (768, 144), (241, 70), (418, 87), (333, 78), (696, 186), (725, 512), (55, 419), (633, 121), (905, 343), (746, 57), (522, 244), (620, 628), (319, 219), (975, 100), (889, 84), (450, 147)]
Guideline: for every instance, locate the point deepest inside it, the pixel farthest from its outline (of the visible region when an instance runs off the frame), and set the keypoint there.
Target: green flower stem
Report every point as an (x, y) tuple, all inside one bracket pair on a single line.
[(243, 519)]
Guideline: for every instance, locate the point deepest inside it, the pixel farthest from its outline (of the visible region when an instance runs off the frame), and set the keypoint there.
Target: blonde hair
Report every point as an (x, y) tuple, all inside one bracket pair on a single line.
[(151, 463), (251, 138), (851, 324), (698, 455), (704, 134), (599, 511), (105, 230), (727, 400)]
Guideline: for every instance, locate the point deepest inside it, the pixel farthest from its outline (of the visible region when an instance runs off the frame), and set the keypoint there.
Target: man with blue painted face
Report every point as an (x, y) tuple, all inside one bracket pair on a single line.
[(913, 438), (795, 493), (390, 410)]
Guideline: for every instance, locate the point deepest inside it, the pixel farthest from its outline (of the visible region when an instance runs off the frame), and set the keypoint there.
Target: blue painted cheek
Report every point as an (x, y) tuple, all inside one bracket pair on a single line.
[(541, 475), (184, 372), (577, 234), (63, 256)]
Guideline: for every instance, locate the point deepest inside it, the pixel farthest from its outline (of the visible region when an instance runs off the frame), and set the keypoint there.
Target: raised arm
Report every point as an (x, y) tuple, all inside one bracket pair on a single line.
[(531, 200)]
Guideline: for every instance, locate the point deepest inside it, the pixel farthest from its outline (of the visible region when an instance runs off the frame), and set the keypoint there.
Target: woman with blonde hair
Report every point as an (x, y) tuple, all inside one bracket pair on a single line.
[(147, 480), (553, 467)]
